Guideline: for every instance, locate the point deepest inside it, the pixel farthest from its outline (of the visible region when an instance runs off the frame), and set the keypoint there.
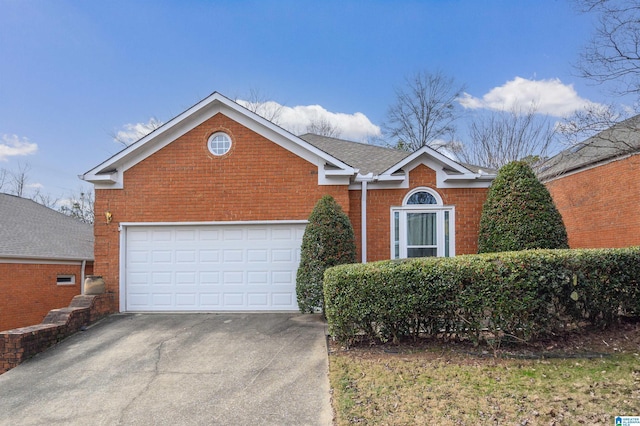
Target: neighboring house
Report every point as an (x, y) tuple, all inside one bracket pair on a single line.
[(207, 212), (596, 187), (44, 256)]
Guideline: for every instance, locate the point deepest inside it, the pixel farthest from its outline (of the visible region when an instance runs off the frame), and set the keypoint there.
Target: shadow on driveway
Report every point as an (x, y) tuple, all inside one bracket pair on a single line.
[(177, 369)]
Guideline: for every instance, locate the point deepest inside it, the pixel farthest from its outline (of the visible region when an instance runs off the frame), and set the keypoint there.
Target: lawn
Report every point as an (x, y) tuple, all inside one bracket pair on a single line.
[(580, 379)]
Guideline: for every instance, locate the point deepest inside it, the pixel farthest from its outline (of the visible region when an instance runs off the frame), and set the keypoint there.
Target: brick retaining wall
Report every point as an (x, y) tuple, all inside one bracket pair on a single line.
[(20, 344)]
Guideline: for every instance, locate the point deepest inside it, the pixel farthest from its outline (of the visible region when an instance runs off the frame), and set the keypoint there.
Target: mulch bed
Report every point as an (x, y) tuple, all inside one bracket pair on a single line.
[(587, 342)]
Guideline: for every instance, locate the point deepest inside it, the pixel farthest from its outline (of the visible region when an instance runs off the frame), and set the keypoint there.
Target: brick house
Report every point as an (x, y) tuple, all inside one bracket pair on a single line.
[(596, 187), (44, 257), (208, 211)]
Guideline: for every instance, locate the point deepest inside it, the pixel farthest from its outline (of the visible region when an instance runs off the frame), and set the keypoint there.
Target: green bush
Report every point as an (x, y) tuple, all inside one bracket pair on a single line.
[(517, 295), (328, 240), (519, 213)]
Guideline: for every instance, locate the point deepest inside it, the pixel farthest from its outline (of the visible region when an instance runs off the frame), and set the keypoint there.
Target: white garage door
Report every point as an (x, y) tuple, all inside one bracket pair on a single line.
[(244, 267)]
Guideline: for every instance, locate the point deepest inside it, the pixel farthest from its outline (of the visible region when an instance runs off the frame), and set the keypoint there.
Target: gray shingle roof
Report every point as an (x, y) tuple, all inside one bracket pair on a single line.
[(365, 157), (617, 141), (31, 230)]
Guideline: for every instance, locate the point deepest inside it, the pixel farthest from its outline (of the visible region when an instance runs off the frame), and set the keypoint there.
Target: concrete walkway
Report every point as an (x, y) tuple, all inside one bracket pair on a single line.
[(177, 369)]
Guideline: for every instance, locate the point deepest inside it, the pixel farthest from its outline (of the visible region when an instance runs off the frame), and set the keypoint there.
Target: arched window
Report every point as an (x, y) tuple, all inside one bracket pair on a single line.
[(421, 197), (422, 226)]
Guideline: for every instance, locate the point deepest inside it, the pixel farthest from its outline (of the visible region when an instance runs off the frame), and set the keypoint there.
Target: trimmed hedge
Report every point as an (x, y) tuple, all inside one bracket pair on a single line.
[(518, 295), (519, 213), (328, 240)]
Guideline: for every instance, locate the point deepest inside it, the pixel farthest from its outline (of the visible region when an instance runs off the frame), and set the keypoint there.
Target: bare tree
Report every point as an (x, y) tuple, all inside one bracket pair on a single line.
[(324, 127), (258, 102), (80, 206), (46, 200), (19, 180), (424, 111), (591, 120), (4, 178), (505, 136), (613, 53), (135, 132)]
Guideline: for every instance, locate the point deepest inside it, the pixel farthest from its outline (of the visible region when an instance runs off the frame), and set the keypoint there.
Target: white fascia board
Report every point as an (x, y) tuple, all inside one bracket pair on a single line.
[(429, 153), (191, 118), (431, 158), (140, 150)]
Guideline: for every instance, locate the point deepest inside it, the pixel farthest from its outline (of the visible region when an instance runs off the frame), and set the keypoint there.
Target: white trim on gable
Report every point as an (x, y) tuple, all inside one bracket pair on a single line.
[(449, 174), (110, 173)]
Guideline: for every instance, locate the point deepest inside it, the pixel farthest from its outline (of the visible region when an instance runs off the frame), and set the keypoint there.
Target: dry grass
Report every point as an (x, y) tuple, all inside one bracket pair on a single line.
[(437, 385)]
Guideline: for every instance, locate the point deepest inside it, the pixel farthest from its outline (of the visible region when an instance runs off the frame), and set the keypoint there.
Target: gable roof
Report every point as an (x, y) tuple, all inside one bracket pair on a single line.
[(109, 174), (388, 164), (29, 230), (618, 141)]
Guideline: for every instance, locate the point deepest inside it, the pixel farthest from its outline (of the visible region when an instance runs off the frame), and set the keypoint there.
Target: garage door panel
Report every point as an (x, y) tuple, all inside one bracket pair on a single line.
[(235, 255), (209, 300), (282, 299), (212, 267), (209, 256)]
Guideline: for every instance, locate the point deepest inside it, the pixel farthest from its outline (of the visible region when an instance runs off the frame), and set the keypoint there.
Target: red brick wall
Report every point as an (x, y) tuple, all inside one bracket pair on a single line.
[(29, 291), (468, 207), (256, 180), (600, 207)]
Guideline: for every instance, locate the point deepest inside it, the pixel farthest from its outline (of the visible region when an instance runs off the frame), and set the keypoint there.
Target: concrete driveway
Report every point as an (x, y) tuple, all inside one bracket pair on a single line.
[(177, 369)]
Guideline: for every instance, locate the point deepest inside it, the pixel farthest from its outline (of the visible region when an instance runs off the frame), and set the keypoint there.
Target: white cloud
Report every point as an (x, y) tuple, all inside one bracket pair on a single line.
[(296, 119), (132, 132), (13, 145), (550, 97)]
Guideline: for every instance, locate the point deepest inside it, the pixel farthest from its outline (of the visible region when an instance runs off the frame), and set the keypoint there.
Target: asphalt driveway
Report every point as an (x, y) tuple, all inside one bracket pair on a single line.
[(177, 369)]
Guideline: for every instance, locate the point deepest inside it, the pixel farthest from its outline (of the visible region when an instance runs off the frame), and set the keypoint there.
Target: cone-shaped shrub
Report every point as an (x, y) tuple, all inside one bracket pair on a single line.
[(519, 213), (328, 240)]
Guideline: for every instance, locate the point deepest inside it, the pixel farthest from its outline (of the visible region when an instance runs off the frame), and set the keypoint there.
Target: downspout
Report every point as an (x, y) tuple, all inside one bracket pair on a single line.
[(82, 271), (363, 220)]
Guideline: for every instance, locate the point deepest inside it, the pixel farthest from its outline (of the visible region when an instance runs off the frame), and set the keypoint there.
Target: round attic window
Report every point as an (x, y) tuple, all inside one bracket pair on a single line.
[(219, 143)]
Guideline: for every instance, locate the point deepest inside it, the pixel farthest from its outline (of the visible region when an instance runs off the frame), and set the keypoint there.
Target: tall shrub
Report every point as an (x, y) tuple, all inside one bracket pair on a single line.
[(328, 240), (519, 213)]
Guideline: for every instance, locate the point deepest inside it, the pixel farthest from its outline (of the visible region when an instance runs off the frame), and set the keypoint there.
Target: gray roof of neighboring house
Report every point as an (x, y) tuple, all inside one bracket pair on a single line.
[(365, 157), (31, 230), (617, 141)]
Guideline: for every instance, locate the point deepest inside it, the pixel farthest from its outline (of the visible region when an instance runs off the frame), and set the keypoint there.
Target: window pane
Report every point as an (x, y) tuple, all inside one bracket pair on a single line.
[(446, 234), (422, 252), (396, 235), (422, 197), (421, 229)]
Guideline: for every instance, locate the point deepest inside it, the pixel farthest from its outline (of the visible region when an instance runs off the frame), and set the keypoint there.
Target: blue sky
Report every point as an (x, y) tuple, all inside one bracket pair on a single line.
[(74, 73)]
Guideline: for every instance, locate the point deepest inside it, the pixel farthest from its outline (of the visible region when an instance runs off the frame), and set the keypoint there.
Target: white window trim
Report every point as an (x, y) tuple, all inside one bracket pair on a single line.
[(439, 209), (213, 136), (422, 189)]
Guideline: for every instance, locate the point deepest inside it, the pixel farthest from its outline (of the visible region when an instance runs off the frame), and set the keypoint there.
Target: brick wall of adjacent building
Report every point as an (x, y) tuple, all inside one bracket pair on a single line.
[(600, 206), (29, 291)]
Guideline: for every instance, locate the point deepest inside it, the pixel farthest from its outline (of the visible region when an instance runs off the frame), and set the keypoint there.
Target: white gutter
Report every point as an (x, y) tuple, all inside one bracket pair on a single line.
[(364, 180)]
